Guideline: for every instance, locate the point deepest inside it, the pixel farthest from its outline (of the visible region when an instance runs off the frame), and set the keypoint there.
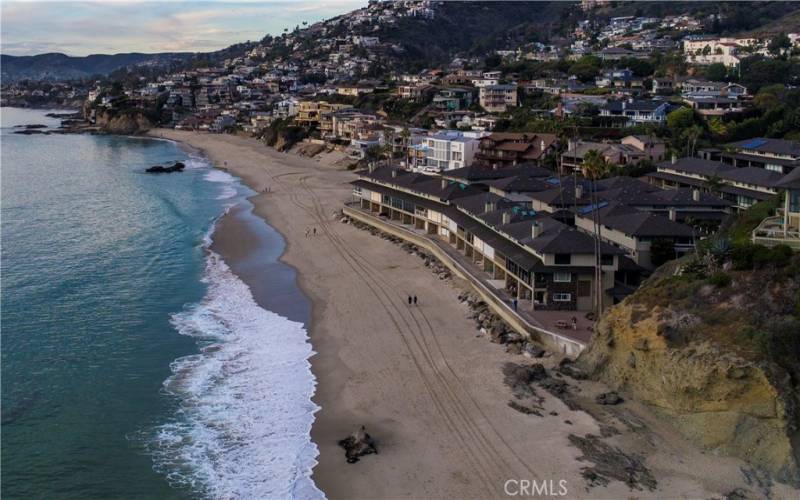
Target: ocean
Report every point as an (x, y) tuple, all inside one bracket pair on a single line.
[(135, 363)]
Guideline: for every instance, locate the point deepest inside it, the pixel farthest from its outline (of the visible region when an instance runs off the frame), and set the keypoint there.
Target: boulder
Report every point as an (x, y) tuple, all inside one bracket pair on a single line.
[(608, 398), (358, 444)]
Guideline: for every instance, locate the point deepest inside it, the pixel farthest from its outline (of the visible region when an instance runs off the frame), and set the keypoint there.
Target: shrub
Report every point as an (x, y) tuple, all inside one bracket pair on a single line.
[(781, 255), (720, 279), (742, 256)]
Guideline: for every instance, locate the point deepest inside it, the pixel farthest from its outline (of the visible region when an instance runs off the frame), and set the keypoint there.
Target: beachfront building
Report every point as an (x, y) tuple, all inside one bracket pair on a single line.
[(532, 256), (442, 151), (309, 112)]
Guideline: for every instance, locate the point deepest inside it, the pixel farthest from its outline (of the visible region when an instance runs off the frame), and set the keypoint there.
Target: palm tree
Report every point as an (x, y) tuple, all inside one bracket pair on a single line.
[(594, 167), (714, 184), (692, 134)]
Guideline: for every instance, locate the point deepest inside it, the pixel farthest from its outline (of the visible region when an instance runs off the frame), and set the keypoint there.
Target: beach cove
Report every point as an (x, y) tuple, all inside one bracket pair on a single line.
[(426, 387)]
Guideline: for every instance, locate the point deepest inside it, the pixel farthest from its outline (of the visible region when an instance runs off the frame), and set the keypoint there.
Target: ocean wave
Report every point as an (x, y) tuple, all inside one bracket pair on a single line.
[(228, 182), (245, 412)]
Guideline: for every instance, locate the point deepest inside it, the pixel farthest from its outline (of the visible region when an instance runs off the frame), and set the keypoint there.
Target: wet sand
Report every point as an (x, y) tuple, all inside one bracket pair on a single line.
[(427, 388)]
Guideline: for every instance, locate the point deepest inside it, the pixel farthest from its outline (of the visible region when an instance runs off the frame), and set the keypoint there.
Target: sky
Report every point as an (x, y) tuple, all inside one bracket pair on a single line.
[(29, 27)]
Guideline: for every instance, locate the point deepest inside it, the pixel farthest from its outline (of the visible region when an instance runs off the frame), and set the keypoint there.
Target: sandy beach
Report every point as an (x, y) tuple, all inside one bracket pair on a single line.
[(426, 387)]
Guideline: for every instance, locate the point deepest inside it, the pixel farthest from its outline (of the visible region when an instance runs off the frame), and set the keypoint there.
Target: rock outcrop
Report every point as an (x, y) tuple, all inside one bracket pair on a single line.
[(695, 353), (127, 122)]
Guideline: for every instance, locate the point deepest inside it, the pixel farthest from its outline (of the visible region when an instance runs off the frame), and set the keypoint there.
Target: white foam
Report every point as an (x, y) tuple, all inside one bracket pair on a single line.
[(245, 409), (228, 182)]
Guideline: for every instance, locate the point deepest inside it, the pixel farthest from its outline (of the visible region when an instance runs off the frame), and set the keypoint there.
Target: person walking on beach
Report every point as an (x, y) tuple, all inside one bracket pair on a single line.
[(409, 300), (315, 231), (307, 232), (574, 323), (415, 300)]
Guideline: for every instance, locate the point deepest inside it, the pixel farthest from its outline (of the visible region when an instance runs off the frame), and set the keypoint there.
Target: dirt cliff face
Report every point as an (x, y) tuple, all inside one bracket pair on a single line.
[(684, 348), (124, 123)]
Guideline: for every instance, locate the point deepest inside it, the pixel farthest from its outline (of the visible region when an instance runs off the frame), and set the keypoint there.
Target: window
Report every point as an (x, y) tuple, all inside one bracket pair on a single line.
[(562, 277), (563, 259), (562, 297), (606, 260)]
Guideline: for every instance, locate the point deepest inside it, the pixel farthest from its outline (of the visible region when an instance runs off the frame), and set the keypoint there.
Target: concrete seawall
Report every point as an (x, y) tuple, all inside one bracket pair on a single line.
[(552, 340)]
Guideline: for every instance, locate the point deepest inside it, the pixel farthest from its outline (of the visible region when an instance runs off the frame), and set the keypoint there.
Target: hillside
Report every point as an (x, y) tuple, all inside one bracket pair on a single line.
[(711, 342), (57, 66)]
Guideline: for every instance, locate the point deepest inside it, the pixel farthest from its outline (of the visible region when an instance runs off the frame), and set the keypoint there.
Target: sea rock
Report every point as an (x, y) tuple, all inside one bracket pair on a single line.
[(158, 169), (358, 444)]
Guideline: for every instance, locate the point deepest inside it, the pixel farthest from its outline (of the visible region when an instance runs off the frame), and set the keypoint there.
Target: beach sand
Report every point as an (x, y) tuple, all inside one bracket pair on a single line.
[(426, 387)]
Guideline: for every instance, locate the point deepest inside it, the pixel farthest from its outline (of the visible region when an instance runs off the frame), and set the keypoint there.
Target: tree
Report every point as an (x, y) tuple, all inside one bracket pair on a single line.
[(716, 72), (692, 134), (586, 68), (778, 44), (594, 167), (714, 184), (680, 119), (661, 250)]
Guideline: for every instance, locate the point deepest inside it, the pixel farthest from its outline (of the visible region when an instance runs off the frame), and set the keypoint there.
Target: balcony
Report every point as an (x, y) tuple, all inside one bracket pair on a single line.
[(770, 232)]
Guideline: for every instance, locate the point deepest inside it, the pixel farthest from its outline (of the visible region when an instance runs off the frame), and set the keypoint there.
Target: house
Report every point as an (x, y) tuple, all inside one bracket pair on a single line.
[(701, 88), (443, 151), (617, 53), (632, 150), (354, 90), (497, 98), (503, 149), (636, 111), (452, 99), (709, 50), (411, 92), (663, 86), (714, 106), (312, 111), (352, 124)]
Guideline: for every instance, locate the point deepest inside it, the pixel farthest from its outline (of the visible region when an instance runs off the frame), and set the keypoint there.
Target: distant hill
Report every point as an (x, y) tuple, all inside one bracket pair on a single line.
[(57, 66)]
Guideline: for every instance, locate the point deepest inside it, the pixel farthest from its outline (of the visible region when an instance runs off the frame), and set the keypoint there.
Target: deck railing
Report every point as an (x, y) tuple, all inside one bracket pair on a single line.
[(770, 232)]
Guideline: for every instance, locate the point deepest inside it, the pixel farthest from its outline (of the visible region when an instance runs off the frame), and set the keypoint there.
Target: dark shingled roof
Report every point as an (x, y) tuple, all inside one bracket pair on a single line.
[(790, 180), (633, 222), (696, 166), (765, 145), (752, 175)]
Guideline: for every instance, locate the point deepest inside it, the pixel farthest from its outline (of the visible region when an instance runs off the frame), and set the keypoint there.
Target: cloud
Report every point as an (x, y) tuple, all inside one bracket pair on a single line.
[(82, 28)]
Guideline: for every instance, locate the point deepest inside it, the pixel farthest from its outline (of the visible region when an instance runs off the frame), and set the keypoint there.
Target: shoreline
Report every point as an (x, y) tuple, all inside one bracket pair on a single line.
[(427, 388)]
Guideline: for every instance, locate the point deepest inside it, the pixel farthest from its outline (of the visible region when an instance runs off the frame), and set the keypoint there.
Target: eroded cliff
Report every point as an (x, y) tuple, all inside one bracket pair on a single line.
[(719, 357)]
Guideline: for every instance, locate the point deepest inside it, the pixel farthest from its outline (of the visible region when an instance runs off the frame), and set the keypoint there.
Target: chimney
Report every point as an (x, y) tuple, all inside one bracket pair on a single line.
[(506, 217), (394, 172), (674, 158), (578, 191), (371, 167), (696, 194), (489, 207), (444, 183), (536, 230), (673, 215), (541, 146)]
